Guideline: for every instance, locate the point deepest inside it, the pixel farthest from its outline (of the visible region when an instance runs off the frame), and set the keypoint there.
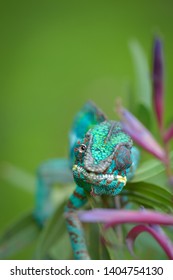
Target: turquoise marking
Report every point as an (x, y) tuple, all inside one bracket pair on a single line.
[(102, 149)]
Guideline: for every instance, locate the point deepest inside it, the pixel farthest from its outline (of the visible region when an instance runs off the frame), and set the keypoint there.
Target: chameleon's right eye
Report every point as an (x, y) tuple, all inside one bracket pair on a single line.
[(82, 148)]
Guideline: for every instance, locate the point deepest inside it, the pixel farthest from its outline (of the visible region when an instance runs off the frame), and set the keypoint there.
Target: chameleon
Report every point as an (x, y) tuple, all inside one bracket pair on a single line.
[(102, 159)]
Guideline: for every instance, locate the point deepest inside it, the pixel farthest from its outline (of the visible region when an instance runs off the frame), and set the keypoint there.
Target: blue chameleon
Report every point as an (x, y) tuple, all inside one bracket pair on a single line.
[(102, 159)]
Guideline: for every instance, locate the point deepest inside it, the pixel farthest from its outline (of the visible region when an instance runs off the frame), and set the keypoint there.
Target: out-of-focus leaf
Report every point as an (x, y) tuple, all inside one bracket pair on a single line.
[(51, 234), (61, 193), (157, 75), (93, 243), (114, 248), (150, 195), (17, 177), (22, 179), (143, 85), (109, 237), (156, 232), (141, 201), (152, 171), (112, 217), (147, 170), (144, 115), (140, 134), (104, 254), (18, 236), (168, 134), (146, 247), (61, 249)]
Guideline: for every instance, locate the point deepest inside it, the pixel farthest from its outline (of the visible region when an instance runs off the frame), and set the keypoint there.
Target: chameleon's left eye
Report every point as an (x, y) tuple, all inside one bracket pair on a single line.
[(82, 148)]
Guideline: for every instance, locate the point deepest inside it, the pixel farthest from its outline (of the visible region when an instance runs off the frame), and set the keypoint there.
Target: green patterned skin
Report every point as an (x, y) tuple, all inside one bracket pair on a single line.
[(102, 159)]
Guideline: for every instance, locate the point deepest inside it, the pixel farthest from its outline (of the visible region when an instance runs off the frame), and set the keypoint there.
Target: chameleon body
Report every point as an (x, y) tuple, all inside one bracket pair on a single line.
[(102, 159)]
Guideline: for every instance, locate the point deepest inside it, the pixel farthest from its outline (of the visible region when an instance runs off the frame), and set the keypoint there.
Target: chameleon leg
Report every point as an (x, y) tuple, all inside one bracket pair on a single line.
[(49, 173), (135, 156), (74, 227)]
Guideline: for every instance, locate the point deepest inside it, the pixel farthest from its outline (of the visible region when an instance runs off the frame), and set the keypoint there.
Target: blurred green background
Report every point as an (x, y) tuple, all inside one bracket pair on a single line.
[(55, 55)]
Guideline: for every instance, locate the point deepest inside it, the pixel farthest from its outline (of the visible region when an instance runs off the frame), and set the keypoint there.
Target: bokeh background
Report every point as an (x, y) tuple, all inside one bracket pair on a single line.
[(54, 56)]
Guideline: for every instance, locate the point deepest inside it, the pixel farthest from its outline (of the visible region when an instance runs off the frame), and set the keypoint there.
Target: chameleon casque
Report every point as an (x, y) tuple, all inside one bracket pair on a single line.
[(102, 158)]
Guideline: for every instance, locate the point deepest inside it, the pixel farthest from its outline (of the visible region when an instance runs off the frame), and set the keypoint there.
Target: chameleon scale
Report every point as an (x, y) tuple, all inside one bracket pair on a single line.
[(102, 159)]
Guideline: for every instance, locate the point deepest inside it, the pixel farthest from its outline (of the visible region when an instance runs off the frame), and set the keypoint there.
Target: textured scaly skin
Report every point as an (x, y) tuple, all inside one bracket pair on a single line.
[(102, 159)]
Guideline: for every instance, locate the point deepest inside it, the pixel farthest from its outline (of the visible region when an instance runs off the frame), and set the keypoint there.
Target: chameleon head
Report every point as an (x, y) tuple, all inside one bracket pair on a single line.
[(103, 159)]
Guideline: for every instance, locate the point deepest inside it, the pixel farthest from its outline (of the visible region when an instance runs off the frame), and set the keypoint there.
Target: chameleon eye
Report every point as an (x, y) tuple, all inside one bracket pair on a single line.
[(82, 148)]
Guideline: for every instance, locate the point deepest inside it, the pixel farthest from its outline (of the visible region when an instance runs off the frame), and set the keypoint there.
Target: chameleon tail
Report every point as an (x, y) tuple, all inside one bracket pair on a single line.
[(74, 227)]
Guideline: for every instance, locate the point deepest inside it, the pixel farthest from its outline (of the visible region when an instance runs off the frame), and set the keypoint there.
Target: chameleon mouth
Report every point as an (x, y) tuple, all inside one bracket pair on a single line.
[(99, 177)]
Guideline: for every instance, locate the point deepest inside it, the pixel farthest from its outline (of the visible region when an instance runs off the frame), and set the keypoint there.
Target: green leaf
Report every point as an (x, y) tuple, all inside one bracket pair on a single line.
[(152, 171), (51, 234), (147, 170), (114, 248), (93, 243), (17, 177), (111, 248), (61, 249), (18, 236), (149, 195), (144, 115), (143, 85), (149, 187)]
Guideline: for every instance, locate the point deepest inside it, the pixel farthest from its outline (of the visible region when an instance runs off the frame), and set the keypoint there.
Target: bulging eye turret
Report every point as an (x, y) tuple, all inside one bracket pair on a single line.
[(123, 158), (82, 148)]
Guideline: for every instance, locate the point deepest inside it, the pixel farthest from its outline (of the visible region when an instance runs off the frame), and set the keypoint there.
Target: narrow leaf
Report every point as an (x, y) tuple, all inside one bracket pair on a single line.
[(17, 177), (153, 171), (112, 217), (168, 134), (157, 75), (52, 233), (147, 170), (140, 134), (143, 85), (156, 232), (152, 195), (18, 236)]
